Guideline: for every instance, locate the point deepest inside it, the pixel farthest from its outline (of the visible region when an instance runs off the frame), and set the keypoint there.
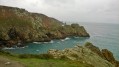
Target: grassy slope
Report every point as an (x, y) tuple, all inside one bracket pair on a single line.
[(35, 62)]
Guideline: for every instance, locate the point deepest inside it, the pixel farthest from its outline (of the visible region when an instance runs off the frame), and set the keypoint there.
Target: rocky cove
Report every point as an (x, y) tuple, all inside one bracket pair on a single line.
[(18, 26)]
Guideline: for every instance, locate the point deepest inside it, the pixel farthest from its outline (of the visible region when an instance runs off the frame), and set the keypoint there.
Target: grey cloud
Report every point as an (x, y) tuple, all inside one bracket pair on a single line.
[(72, 10)]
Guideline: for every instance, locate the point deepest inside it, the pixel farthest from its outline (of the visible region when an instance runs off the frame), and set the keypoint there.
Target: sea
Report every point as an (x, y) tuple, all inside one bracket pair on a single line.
[(102, 35)]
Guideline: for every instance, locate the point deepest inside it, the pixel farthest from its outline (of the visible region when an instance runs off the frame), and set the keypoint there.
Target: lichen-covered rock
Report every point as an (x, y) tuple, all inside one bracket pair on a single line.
[(109, 57), (87, 54), (104, 53), (94, 49)]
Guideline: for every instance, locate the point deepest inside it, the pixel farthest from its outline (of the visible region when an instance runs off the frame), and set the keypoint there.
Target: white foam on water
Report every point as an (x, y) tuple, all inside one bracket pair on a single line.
[(62, 40), (67, 38), (46, 42), (8, 48), (37, 42), (37, 50), (51, 41)]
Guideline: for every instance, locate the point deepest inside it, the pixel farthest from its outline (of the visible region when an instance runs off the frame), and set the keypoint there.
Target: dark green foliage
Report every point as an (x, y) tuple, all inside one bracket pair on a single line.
[(63, 57), (45, 56), (41, 56), (74, 55), (88, 44), (5, 53), (75, 25)]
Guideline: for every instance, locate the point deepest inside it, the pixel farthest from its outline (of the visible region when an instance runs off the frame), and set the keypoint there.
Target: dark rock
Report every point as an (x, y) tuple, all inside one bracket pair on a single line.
[(109, 57), (94, 49), (12, 33), (105, 54), (86, 54)]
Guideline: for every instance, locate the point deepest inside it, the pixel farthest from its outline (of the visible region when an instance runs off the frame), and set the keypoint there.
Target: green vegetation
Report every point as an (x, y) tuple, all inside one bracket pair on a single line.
[(43, 60), (7, 22), (40, 56)]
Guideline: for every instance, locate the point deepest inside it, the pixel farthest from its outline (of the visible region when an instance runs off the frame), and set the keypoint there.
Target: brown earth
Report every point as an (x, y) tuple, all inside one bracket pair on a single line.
[(5, 62)]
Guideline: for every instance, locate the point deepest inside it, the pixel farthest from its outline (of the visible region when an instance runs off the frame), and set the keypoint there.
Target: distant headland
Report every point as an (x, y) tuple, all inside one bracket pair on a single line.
[(19, 26)]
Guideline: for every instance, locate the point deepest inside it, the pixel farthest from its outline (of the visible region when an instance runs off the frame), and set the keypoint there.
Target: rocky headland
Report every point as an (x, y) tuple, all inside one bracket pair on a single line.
[(88, 53), (19, 26)]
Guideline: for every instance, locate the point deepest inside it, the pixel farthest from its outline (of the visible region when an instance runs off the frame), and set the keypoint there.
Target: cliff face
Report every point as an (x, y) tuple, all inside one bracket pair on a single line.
[(18, 25), (89, 54)]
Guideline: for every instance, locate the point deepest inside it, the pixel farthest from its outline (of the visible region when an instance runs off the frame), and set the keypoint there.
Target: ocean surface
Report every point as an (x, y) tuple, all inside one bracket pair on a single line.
[(104, 36)]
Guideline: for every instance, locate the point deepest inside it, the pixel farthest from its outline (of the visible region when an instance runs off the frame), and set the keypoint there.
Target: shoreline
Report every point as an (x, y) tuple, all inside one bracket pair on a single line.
[(87, 53)]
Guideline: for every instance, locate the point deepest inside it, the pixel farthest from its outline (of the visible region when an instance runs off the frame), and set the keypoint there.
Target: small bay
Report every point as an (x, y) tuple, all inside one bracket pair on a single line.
[(104, 36)]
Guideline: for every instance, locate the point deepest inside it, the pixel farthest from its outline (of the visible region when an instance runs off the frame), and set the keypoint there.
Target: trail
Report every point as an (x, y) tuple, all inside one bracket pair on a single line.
[(5, 62)]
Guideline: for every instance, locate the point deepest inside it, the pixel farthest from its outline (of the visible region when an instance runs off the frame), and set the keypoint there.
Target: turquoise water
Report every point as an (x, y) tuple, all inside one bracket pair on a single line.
[(102, 35)]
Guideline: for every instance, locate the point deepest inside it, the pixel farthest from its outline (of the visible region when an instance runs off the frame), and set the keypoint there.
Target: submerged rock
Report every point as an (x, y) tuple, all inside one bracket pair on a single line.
[(89, 54)]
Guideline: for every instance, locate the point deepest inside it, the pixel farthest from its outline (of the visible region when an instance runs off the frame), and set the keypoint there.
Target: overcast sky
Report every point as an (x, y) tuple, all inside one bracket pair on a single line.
[(97, 11)]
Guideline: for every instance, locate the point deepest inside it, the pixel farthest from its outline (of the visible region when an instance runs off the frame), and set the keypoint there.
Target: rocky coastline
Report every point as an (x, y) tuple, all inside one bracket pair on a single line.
[(88, 53), (18, 26)]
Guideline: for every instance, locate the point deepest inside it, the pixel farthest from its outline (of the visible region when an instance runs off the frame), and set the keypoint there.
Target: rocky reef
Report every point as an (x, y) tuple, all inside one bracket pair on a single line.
[(89, 54), (19, 26)]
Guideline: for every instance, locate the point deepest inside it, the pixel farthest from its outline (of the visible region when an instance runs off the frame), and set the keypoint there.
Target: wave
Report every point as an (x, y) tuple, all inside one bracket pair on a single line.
[(67, 38), (51, 41), (44, 42), (37, 42), (38, 50), (8, 48)]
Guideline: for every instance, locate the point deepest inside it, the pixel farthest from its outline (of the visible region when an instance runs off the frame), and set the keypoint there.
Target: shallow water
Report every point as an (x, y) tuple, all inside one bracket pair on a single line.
[(104, 36)]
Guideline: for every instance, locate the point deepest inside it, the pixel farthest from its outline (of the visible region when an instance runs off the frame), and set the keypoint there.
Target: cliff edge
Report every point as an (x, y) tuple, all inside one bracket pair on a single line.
[(89, 54), (17, 25)]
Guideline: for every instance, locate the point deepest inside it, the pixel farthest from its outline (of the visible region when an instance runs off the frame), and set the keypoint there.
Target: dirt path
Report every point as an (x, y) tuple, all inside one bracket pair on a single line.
[(5, 62)]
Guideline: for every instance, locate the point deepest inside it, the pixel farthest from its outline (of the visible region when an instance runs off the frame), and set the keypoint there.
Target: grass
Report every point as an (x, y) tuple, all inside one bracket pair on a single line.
[(33, 62), (29, 60)]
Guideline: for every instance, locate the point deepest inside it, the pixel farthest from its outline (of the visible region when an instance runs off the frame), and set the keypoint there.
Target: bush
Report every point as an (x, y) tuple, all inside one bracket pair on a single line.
[(74, 55), (5, 53), (63, 57), (45, 56), (41, 56)]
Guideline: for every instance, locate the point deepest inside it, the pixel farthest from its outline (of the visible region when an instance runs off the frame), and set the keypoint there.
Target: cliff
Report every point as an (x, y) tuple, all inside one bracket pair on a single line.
[(18, 25), (89, 54)]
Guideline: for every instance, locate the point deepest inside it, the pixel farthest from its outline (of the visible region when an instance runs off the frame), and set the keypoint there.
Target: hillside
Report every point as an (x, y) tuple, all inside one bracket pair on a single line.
[(17, 25), (79, 56), (89, 54)]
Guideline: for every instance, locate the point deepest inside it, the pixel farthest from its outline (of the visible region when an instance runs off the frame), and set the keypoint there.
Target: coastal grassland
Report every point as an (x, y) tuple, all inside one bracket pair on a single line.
[(44, 60), (7, 22)]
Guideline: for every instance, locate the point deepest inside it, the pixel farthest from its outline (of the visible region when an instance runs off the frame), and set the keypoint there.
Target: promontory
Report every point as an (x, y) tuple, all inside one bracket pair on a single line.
[(17, 25)]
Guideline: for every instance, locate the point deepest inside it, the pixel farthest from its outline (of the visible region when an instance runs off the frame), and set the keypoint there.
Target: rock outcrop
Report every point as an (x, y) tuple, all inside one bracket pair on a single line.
[(109, 57), (18, 25), (87, 54)]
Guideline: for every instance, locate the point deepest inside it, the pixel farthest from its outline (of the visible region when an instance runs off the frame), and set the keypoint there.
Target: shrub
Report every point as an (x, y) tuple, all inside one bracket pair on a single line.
[(45, 56), (63, 57), (74, 55), (41, 56), (5, 53)]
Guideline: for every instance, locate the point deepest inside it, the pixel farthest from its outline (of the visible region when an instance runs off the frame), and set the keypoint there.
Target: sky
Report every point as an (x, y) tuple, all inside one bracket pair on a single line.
[(96, 11)]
